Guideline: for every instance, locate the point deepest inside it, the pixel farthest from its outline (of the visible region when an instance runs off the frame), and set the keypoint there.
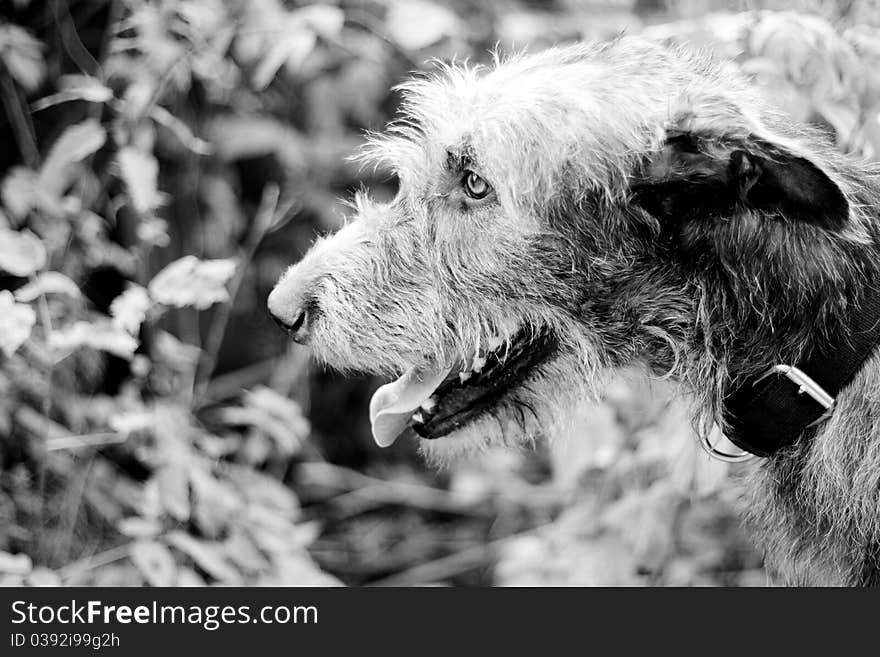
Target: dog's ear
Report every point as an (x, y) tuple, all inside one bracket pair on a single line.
[(699, 178)]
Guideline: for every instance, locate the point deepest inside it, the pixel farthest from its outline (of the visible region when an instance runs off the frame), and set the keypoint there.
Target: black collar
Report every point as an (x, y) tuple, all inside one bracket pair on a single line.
[(770, 412)]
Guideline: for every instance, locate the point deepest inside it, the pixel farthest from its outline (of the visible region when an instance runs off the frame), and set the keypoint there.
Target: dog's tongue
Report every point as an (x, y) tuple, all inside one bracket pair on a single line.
[(393, 404)]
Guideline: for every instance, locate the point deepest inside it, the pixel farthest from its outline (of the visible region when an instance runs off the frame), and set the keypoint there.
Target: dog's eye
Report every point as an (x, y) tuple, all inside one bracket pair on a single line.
[(475, 187)]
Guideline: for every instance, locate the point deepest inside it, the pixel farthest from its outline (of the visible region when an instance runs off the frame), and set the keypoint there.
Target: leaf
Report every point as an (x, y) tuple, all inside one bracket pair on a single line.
[(240, 549), (299, 569), (177, 355), (102, 336), (844, 118), (152, 231), (22, 55), (19, 191), (85, 87), (15, 564), (74, 145), (22, 192), (155, 562), (189, 577), (275, 415), (21, 252), (237, 137), (291, 50), (131, 421), (43, 577), (301, 29), (140, 171), (137, 527), (16, 322), (207, 556), (264, 492), (193, 282), (129, 309), (205, 17), (416, 24), (180, 130), (50, 282), (324, 20), (173, 483), (215, 503)]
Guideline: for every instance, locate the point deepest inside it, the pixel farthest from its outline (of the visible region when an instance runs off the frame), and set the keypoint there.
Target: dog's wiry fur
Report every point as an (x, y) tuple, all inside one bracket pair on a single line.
[(608, 163)]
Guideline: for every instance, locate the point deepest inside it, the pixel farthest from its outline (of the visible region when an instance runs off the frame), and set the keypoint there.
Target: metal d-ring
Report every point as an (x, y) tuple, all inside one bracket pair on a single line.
[(719, 455)]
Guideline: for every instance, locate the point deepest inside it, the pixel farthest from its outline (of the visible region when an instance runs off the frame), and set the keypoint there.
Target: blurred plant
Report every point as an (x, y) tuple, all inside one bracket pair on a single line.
[(183, 504), (814, 71), (166, 160)]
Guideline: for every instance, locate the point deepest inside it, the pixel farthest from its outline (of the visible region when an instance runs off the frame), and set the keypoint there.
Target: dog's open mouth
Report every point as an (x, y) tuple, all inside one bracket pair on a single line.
[(435, 402)]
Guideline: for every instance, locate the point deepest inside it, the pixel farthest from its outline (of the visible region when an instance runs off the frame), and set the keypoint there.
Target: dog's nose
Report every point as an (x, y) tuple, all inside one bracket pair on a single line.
[(293, 315), (298, 329)]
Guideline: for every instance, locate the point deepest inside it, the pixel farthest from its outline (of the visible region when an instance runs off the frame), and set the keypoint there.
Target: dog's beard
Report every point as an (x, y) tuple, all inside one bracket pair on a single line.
[(538, 407), (524, 389)]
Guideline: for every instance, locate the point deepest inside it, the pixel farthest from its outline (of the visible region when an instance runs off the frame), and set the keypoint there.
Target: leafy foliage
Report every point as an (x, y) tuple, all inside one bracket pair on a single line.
[(16, 323), (167, 160)]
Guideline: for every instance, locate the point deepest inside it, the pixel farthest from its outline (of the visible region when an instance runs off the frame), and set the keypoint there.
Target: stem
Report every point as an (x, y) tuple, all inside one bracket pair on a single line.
[(46, 321), (74, 46), (24, 130), (266, 218), (95, 561), (443, 568)]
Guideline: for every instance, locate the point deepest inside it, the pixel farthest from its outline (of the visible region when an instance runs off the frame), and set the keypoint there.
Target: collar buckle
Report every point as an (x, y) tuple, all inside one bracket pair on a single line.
[(805, 384)]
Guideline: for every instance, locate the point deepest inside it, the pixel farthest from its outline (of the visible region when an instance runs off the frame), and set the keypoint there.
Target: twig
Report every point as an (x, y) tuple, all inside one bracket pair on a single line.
[(291, 374), (92, 440), (318, 473), (232, 383), (95, 561), (46, 321), (361, 500), (267, 216), (364, 490), (452, 564), (440, 569), (71, 41), (38, 425), (73, 502), (56, 437), (24, 130)]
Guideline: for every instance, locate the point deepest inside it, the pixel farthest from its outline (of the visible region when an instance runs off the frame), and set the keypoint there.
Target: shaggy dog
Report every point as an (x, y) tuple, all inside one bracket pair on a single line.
[(564, 214)]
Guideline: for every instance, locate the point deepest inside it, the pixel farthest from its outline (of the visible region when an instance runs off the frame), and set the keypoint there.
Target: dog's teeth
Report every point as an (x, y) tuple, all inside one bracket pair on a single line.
[(464, 376), (429, 404), (418, 418), (479, 363)]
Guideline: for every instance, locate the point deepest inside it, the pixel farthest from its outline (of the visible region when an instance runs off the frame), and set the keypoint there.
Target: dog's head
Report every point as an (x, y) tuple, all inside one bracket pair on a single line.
[(557, 216)]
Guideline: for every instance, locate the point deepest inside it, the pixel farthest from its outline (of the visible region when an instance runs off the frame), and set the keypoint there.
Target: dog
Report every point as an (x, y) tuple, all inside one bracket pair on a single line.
[(568, 213)]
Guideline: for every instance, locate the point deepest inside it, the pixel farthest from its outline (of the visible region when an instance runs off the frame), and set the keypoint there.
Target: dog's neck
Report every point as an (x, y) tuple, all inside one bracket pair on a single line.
[(710, 325), (720, 317)]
